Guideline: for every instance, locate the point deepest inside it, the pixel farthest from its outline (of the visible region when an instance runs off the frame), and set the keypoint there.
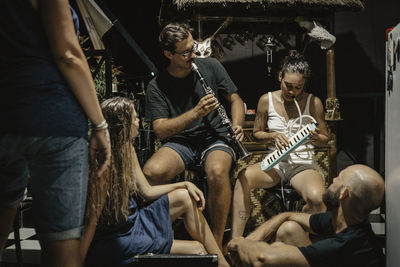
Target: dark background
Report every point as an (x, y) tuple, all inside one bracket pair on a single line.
[(360, 69)]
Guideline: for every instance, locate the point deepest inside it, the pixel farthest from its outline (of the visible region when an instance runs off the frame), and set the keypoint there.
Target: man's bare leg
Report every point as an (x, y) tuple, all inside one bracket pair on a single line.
[(292, 233), (217, 167), (61, 253), (7, 215), (163, 166), (181, 204)]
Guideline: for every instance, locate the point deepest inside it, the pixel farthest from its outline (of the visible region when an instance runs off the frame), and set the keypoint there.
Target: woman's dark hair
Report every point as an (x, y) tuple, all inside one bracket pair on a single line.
[(173, 33), (295, 62)]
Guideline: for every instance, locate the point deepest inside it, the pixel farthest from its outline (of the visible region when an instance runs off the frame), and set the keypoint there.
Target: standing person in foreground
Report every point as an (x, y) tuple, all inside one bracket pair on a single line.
[(279, 111), (137, 217), (186, 120), (348, 237), (49, 95)]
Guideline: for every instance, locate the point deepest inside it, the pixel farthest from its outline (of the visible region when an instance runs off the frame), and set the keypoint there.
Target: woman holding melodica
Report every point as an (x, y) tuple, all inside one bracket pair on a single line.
[(284, 112)]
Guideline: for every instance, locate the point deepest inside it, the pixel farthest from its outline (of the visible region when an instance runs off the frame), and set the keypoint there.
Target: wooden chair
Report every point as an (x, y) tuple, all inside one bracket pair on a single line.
[(266, 203)]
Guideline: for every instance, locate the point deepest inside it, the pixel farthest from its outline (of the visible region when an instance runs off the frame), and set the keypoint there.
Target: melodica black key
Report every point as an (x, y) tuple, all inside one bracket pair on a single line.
[(274, 157)]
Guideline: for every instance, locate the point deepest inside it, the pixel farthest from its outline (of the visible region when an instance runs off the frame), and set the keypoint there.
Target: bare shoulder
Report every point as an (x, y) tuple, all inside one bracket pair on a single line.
[(263, 102), (276, 94), (315, 99), (277, 97), (264, 98), (316, 105)]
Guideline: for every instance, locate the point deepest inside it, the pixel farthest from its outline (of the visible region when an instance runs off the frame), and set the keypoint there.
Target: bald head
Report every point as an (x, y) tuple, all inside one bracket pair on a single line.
[(366, 188)]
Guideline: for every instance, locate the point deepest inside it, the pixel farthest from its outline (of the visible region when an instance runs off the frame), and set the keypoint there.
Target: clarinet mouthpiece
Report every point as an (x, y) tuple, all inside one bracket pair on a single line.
[(194, 66)]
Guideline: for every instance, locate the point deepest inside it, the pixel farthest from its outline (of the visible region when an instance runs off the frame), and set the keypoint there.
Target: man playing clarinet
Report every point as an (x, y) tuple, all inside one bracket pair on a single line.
[(186, 119)]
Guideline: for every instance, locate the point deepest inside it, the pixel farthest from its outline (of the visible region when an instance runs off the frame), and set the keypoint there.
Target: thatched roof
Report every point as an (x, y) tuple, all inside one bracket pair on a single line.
[(174, 9), (319, 4)]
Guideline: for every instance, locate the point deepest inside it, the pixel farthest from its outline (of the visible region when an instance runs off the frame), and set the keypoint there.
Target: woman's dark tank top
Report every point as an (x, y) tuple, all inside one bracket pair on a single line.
[(36, 100)]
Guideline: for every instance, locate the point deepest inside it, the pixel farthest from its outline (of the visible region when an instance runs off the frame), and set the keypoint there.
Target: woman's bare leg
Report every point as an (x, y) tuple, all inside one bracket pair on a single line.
[(310, 185), (7, 215), (187, 247), (251, 177), (181, 204)]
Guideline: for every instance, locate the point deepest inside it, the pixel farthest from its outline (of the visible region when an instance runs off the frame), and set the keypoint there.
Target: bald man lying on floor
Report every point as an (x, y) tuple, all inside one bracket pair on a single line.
[(348, 239)]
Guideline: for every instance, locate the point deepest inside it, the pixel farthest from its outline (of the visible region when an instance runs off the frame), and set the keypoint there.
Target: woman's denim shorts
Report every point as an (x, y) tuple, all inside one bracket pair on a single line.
[(57, 170)]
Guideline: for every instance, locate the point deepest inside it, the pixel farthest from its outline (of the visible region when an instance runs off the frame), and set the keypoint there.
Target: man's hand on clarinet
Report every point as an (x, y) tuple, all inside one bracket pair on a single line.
[(206, 104), (238, 132)]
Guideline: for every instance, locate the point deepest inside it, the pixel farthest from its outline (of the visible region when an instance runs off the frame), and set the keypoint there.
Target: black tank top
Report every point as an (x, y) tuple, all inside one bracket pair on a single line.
[(36, 100)]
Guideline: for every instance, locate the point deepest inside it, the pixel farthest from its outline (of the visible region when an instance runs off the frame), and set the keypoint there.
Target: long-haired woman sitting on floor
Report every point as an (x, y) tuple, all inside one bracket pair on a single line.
[(133, 216)]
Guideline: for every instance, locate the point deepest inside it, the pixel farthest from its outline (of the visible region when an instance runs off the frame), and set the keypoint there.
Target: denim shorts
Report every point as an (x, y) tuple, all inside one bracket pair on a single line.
[(288, 170), (194, 154), (58, 171)]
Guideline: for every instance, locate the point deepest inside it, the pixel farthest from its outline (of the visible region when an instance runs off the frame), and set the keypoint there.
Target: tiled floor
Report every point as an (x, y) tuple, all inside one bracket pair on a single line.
[(377, 221), (31, 248)]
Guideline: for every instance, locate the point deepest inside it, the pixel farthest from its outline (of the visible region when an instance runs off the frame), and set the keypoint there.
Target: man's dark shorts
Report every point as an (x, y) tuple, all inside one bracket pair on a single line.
[(193, 154)]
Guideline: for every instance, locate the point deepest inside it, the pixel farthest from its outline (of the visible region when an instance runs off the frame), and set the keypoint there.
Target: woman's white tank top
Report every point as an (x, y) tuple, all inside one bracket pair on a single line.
[(276, 123)]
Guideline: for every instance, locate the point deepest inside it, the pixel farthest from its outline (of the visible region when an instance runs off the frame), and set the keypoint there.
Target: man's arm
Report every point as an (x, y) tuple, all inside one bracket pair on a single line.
[(165, 128), (269, 228), (257, 253), (237, 111)]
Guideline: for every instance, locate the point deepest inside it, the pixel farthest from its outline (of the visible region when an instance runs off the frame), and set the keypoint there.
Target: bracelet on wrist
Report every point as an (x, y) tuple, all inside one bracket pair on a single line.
[(101, 126)]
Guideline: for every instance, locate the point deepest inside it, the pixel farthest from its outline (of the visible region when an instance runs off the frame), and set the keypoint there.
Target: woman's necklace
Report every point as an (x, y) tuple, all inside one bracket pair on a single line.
[(299, 97), (290, 107)]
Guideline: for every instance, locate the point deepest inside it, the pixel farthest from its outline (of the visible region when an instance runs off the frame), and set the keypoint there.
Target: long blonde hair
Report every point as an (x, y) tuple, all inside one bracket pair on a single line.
[(116, 186)]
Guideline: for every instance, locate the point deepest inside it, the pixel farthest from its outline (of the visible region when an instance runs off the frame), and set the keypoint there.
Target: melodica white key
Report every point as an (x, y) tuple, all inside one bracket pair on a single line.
[(274, 157)]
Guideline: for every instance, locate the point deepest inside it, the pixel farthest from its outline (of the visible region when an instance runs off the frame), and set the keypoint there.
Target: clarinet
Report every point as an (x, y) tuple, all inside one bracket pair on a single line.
[(238, 146)]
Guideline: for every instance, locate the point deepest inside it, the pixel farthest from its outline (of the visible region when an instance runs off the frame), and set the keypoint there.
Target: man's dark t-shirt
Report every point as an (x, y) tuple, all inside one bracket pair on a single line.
[(354, 246), (169, 97)]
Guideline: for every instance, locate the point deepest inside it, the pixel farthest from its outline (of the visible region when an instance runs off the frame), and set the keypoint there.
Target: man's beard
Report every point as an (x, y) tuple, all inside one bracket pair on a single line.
[(331, 199)]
